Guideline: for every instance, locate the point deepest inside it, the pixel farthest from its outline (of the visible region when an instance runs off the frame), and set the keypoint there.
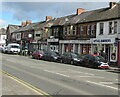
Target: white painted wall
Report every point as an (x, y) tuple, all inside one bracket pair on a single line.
[(106, 29), (2, 39)]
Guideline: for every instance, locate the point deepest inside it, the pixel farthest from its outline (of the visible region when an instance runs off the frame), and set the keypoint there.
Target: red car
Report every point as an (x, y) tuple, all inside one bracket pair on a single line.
[(96, 61), (38, 54)]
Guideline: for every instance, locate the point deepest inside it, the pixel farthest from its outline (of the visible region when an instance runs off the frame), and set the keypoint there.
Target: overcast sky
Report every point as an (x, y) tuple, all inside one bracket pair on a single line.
[(16, 12)]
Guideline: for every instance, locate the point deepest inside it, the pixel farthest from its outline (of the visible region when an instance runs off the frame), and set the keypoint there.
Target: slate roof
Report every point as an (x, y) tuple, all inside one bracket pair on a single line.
[(62, 20), (12, 28), (27, 27), (103, 14)]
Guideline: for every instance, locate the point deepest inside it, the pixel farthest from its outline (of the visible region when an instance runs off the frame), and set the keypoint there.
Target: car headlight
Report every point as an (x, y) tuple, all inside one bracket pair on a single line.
[(55, 57), (75, 59)]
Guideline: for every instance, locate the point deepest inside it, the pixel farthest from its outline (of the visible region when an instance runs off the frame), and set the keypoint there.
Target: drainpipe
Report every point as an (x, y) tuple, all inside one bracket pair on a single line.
[(118, 54)]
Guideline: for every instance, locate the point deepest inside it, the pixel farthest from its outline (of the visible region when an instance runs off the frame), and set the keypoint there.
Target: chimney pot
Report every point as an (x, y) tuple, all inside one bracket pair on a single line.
[(48, 18), (112, 4), (80, 10), (23, 23)]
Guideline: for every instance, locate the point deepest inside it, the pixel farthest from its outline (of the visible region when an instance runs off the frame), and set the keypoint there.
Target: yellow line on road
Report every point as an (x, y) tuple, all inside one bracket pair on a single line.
[(40, 92)]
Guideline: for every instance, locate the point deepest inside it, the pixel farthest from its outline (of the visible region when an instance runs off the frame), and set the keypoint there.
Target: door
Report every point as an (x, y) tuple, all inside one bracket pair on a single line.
[(107, 51)]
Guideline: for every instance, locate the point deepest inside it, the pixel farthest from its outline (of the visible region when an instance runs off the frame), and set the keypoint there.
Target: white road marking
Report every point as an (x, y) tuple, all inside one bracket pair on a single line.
[(106, 83), (81, 72), (90, 76), (57, 73), (102, 85)]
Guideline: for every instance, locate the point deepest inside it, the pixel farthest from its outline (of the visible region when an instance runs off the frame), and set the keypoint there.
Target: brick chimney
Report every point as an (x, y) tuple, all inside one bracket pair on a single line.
[(28, 22), (80, 10), (111, 4), (48, 18), (23, 23)]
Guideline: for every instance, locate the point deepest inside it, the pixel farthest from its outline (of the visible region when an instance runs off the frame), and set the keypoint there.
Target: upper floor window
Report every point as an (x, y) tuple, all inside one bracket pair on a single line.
[(65, 30), (101, 28), (81, 30), (74, 30), (110, 27), (68, 30), (93, 28), (115, 26), (89, 30)]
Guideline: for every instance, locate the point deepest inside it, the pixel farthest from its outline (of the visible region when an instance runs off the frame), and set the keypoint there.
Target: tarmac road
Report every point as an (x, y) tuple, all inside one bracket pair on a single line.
[(49, 78)]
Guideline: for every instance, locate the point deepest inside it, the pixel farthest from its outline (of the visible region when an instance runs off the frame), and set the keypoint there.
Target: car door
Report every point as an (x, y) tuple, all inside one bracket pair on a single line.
[(69, 58)]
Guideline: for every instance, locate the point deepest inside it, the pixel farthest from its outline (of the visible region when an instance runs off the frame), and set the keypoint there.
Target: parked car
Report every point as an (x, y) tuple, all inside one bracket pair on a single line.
[(38, 54), (52, 56), (96, 61), (13, 48), (72, 58), (4, 49)]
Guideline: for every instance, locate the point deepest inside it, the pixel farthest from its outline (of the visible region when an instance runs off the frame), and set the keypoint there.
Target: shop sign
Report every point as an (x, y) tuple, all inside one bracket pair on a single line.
[(33, 41), (102, 41), (115, 43), (52, 40)]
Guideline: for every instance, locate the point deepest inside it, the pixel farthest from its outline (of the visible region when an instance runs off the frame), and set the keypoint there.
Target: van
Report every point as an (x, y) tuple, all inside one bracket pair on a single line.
[(13, 48)]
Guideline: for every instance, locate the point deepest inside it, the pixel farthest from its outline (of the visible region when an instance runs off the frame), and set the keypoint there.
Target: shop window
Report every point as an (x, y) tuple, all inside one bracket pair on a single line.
[(101, 28)]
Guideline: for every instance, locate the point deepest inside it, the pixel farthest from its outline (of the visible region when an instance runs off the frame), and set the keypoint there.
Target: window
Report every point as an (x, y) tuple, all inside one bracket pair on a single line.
[(81, 30), (110, 27), (37, 35), (101, 28), (89, 30), (115, 26), (74, 30), (92, 29), (65, 30), (68, 31), (57, 30)]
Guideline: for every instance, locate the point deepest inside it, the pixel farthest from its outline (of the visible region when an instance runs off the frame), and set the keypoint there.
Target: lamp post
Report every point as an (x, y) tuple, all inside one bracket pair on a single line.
[(118, 54)]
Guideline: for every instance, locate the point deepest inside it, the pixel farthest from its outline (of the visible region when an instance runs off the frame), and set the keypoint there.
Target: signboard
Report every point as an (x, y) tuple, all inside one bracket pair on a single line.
[(52, 40)]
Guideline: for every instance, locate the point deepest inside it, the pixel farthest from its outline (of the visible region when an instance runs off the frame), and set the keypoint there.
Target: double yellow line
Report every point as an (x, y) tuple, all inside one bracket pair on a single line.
[(38, 91)]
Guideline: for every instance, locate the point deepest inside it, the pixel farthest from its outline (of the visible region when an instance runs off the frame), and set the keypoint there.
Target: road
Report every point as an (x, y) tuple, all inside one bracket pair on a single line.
[(50, 78)]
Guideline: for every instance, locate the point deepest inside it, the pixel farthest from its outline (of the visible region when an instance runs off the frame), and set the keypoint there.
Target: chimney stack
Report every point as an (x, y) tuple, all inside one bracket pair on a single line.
[(80, 10), (48, 18), (23, 23), (28, 22), (112, 4)]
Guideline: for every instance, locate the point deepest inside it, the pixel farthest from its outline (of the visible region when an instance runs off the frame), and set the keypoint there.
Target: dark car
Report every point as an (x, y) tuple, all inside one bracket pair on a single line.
[(96, 61), (52, 56), (72, 58), (38, 54)]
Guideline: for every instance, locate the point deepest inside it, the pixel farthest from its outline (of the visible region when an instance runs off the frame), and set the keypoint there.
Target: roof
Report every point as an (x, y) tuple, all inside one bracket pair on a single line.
[(44, 24), (62, 20), (103, 14), (27, 27), (79, 17), (12, 28), (2, 31)]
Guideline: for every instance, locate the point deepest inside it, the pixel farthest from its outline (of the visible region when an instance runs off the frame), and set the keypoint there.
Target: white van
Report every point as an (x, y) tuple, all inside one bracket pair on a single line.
[(13, 48)]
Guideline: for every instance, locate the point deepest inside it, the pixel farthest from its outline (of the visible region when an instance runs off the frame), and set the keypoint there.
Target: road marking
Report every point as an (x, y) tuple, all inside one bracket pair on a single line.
[(106, 83), (90, 76), (102, 85), (40, 92), (81, 72), (57, 73)]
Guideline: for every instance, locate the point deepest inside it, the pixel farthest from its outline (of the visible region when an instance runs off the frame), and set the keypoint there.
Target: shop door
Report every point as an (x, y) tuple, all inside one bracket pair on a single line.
[(107, 51)]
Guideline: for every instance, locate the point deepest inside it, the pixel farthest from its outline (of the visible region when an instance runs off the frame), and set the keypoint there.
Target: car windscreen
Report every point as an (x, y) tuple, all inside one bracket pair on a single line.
[(76, 55), (53, 53), (14, 46), (99, 58)]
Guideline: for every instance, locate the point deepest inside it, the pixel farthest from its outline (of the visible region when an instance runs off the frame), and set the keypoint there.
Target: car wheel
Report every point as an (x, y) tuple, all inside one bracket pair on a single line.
[(38, 58), (61, 61), (72, 62), (32, 56)]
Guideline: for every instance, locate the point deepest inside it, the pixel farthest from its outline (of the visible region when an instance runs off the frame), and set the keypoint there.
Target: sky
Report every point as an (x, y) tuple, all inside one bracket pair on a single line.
[(16, 12)]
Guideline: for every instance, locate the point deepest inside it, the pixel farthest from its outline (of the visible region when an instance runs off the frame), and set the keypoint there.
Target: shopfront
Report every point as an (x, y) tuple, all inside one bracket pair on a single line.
[(108, 45)]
